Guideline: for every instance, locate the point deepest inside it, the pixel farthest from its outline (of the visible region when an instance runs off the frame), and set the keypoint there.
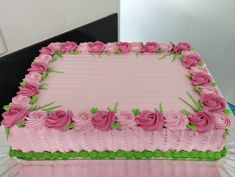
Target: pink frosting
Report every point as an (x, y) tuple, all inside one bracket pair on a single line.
[(204, 121), (196, 69), (136, 47), (126, 119), (182, 46), (43, 58), (36, 119), (190, 59), (199, 79), (222, 121), (124, 47), (59, 119), (110, 47), (208, 90), (83, 47), (103, 120), (83, 121), (175, 121), (151, 47), (96, 47), (214, 103), (47, 51), (38, 67), (14, 115), (22, 100), (68, 47), (150, 121), (33, 78), (29, 90), (55, 46), (165, 47)]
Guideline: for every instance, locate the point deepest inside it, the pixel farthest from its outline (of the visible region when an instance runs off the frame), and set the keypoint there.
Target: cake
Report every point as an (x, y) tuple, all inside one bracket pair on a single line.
[(117, 100)]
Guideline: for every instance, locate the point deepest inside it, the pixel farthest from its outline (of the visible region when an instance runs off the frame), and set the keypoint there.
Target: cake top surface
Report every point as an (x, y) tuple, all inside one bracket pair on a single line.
[(151, 86)]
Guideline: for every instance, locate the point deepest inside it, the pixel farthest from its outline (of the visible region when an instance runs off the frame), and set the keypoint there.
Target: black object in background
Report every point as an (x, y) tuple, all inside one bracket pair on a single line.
[(13, 66)]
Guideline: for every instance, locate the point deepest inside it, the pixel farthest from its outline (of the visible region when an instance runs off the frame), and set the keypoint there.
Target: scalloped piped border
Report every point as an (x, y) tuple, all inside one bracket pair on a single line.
[(120, 155)]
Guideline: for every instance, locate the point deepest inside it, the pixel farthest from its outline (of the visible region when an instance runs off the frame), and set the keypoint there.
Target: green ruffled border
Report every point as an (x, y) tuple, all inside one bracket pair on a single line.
[(128, 155)]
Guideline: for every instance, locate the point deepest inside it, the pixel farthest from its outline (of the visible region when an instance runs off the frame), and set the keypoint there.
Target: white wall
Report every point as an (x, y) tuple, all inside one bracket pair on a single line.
[(26, 22), (209, 25)]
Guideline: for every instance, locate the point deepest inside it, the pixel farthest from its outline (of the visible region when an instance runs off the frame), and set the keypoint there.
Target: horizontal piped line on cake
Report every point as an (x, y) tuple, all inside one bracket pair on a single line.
[(120, 155)]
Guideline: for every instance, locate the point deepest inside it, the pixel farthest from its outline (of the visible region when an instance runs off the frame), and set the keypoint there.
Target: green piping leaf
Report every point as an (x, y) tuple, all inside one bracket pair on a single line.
[(7, 107), (227, 111), (94, 110), (44, 75), (23, 83), (21, 124), (192, 127), (116, 125), (226, 133), (136, 111), (70, 126), (34, 98), (192, 107), (7, 131), (214, 84), (161, 108), (201, 63), (185, 112)]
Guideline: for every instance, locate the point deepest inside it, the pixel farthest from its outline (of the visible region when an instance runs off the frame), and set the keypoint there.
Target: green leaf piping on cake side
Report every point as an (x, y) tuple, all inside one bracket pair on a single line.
[(7, 107), (136, 111), (227, 111)]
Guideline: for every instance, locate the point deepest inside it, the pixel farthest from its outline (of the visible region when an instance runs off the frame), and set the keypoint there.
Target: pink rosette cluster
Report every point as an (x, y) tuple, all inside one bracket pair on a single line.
[(124, 47), (201, 79), (126, 119), (47, 50), (83, 47), (83, 121), (103, 120), (150, 121), (205, 90), (204, 121), (182, 46), (190, 59), (28, 90), (36, 119), (22, 100), (136, 47), (59, 119), (14, 115), (165, 47), (111, 47), (175, 121), (68, 47), (38, 67), (96, 47), (43, 58), (33, 78), (197, 69), (223, 122), (55, 46), (214, 103), (151, 47)]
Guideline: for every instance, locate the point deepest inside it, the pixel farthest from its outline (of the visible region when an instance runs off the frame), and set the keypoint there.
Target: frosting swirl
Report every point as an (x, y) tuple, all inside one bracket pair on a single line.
[(214, 103), (126, 119), (38, 67), (223, 122), (33, 77), (22, 100), (83, 121), (175, 121), (36, 119)]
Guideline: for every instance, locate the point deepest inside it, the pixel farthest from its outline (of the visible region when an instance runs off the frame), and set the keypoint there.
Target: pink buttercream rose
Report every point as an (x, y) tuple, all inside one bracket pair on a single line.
[(103, 120), (175, 121), (151, 47), (205, 90), (43, 58), (59, 119), (110, 47), (204, 121), (22, 100), (223, 122), (150, 121), (201, 79), (29, 90), (55, 46), (36, 119), (126, 119), (33, 78), (214, 103), (165, 47), (136, 47), (124, 47), (196, 69), (182, 46), (14, 115), (68, 47), (190, 59), (96, 47), (83, 121), (83, 47), (47, 51), (38, 67)]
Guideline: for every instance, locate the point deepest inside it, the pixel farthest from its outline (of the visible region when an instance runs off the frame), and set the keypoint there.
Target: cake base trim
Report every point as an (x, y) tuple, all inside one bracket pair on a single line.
[(128, 155)]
